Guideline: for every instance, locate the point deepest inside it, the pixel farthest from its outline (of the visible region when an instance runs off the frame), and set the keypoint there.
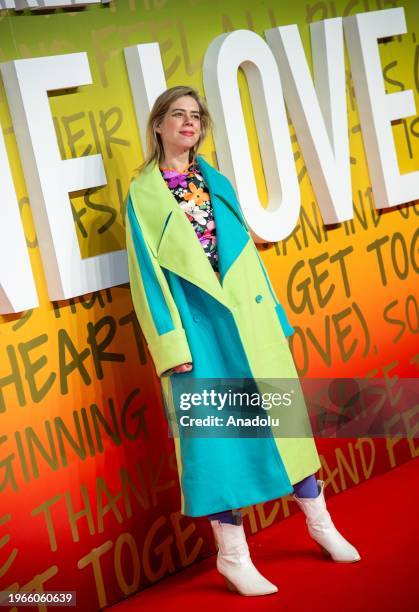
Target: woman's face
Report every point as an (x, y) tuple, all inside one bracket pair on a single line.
[(181, 126)]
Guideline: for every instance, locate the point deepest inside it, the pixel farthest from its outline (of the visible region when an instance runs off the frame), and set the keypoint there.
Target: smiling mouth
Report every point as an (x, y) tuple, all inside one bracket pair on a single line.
[(187, 133)]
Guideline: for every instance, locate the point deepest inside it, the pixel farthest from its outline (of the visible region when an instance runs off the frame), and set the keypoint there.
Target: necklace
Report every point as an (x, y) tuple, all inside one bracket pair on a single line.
[(175, 178), (167, 169)]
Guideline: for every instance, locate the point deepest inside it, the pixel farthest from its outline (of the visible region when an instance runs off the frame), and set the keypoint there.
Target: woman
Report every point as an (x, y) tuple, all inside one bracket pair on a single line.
[(208, 311)]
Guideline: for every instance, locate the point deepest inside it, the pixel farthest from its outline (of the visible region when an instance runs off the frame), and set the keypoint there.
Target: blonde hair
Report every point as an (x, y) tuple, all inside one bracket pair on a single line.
[(154, 145)]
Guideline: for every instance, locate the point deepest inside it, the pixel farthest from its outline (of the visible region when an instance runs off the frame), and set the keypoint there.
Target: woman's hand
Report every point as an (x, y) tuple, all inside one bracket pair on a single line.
[(184, 367)]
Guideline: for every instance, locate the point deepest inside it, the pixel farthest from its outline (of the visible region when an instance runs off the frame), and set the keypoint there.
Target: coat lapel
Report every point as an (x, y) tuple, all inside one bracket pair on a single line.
[(171, 236), (232, 234)]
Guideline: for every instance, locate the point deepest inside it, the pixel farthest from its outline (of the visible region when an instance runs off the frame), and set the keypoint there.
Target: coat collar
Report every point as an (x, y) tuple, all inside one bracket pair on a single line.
[(170, 234)]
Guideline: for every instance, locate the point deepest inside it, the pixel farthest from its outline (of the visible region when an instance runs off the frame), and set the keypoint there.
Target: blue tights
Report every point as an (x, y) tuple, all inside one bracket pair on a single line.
[(305, 488)]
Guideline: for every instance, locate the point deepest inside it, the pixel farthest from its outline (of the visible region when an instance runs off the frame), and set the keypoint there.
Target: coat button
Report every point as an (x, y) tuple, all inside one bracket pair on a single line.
[(196, 318), (258, 298)]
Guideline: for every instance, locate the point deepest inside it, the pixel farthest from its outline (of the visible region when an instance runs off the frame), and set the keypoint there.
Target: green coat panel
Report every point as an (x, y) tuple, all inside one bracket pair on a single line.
[(230, 329)]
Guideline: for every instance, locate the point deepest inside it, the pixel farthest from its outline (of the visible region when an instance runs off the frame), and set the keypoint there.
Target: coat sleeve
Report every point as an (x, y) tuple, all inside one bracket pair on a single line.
[(286, 326), (153, 302)]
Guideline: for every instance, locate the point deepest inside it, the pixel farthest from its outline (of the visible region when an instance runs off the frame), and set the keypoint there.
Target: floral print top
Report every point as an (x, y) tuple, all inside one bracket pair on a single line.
[(193, 197)]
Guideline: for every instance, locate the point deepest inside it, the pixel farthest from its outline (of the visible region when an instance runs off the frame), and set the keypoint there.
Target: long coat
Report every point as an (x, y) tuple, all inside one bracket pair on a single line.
[(232, 328)]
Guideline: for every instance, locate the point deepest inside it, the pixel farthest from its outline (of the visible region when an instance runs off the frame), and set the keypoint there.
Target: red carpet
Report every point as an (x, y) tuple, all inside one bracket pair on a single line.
[(380, 517)]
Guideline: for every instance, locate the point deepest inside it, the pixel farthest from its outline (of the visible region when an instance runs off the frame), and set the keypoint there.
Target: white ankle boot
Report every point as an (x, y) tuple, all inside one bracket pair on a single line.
[(234, 562), (322, 529)]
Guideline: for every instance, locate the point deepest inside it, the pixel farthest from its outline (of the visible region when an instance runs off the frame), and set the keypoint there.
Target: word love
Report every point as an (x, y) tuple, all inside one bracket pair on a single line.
[(277, 72)]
